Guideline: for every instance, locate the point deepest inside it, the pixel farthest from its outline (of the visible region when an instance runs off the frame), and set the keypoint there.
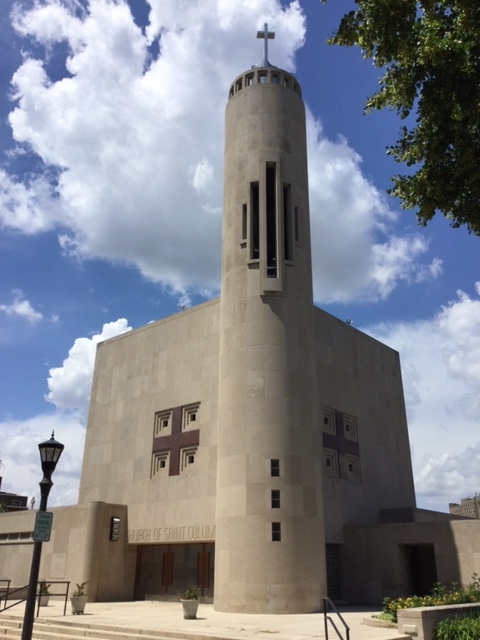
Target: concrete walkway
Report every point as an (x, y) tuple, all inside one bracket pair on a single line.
[(167, 617)]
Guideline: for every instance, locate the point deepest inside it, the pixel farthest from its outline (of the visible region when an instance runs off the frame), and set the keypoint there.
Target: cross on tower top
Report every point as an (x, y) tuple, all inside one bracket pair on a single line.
[(266, 35)]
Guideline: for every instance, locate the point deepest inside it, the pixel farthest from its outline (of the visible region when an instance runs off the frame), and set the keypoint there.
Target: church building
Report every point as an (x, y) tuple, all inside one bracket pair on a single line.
[(244, 433), (253, 445)]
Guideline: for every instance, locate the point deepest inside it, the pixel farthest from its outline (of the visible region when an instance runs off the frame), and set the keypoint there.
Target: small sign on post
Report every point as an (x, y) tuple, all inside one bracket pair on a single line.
[(43, 526)]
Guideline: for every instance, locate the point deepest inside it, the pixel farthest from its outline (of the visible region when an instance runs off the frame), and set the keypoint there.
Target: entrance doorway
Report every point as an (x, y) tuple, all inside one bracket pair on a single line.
[(165, 571), (333, 559), (421, 568)]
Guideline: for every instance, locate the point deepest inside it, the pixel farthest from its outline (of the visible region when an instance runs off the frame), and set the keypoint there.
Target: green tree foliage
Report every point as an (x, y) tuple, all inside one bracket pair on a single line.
[(429, 51)]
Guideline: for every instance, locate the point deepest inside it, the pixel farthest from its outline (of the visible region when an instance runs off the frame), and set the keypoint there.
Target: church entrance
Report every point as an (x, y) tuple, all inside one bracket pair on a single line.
[(333, 560), (421, 568), (164, 571)]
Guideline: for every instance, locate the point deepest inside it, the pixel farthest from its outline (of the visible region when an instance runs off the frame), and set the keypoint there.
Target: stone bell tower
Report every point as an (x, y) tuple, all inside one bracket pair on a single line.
[(270, 548)]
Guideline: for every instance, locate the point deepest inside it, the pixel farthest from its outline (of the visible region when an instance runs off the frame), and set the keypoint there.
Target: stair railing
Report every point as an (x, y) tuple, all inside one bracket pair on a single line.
[(4, 586), (10, 595), (327, 619)]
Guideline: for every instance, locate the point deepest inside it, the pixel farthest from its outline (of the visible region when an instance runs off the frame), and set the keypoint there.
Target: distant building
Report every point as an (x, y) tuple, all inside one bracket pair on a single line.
[(12, 501), (468, 507)]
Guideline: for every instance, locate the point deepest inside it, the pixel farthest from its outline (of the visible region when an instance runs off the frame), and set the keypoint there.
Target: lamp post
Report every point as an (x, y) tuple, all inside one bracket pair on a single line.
[(50, 452)]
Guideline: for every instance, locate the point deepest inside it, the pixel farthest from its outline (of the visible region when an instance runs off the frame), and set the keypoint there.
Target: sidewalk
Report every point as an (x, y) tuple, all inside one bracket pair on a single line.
[(167, 617)]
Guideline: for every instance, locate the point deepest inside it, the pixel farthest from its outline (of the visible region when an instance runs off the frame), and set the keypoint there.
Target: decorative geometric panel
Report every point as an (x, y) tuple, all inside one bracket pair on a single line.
[(179, 439), (344, 445)]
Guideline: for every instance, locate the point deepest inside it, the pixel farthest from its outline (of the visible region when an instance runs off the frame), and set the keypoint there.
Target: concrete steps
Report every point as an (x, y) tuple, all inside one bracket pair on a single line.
[(130, 621), (11, 629)]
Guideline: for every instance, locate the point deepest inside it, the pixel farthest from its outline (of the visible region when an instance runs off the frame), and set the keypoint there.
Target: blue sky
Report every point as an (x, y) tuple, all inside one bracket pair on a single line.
[(111, 145)]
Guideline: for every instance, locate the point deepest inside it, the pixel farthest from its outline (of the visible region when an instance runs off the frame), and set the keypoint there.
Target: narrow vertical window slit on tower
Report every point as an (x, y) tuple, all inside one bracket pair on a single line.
[(297, 225), (254, 222), (244, 222), (271, 208), (287, 236)]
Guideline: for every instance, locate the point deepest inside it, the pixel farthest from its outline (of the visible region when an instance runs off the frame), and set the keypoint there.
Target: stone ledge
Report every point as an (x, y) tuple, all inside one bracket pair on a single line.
[(420, 622)]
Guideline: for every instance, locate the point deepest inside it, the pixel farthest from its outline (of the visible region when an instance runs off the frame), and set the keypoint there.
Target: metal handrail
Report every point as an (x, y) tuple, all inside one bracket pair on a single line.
[(51, 593), (326, 619), (9, 592), (6, 592)]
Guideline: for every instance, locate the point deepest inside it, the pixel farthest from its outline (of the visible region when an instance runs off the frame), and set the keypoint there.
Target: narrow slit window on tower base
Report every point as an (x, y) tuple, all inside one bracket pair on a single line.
[(275, 468), (275, 499), (276, 531)]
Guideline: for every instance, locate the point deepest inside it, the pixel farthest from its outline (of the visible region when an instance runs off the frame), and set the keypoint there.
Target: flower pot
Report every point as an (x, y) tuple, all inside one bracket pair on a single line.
[(189, 609), (44, 599), (78, 604)]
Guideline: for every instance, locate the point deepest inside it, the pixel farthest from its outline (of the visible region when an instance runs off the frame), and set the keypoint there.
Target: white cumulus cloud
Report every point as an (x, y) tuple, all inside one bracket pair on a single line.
[(366, 260), (21, 469), (441, 376), (129, 135), (71, 383)]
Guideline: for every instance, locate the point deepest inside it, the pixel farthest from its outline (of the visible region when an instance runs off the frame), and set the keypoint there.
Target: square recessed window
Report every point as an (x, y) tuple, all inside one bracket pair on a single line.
[(159, 463), (190, 415), (328, 420), (275, 468), (188, 456), (331, 462), (353, 467), (276, 531), (350, 428), (163, 423)]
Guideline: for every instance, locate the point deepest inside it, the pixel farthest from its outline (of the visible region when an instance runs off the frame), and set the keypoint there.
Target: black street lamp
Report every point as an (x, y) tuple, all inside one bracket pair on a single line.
[(50, 452)]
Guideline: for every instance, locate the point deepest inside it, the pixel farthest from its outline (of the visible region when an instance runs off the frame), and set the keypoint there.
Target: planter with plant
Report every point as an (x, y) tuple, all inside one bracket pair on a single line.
[(44, 593), (79, 598), (190, 603)]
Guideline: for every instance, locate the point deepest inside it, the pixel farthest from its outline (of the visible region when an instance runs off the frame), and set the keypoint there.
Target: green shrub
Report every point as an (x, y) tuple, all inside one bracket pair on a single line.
[(440, 595), (458, 629)]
